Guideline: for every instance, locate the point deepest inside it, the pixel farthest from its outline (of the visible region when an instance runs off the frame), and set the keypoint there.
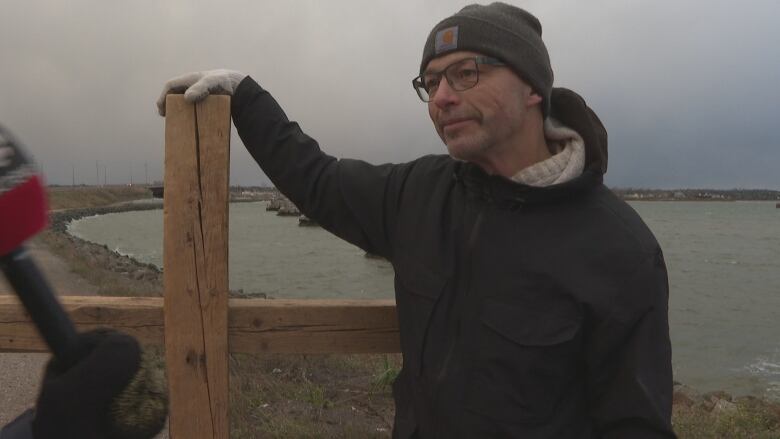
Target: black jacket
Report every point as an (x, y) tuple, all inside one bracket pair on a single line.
[(524, 312), (19, 428)]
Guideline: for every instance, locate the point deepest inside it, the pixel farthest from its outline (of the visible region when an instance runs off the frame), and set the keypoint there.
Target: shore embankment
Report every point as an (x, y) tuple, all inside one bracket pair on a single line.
[(113, 274)]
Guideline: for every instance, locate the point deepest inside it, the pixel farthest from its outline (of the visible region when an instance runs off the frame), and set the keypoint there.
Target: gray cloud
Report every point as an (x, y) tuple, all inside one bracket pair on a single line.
[(686, 89)]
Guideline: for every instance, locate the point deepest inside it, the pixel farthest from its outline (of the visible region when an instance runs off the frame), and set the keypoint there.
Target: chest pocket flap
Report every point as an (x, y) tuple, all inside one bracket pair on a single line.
[(419, 280), (530, 327)]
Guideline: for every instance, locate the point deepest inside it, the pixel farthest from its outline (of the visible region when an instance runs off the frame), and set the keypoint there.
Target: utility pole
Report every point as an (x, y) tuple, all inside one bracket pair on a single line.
[(131, 173), (146, 172), (73, 176), (97, 174), (105, 176)]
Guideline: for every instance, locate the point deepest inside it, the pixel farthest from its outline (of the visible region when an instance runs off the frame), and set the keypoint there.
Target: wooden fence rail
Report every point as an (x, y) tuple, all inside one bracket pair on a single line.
[(254, 325)]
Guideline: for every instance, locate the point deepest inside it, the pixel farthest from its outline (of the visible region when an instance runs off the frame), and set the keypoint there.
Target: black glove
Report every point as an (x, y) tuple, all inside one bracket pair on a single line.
[(75, 398)]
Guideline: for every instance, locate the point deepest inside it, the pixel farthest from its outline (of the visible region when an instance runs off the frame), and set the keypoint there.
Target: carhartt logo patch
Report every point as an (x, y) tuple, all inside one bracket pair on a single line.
[(446, 39)]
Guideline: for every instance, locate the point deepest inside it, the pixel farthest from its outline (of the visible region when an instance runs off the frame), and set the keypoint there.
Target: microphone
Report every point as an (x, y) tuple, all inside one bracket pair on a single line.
[(141, 408), (23, 213)]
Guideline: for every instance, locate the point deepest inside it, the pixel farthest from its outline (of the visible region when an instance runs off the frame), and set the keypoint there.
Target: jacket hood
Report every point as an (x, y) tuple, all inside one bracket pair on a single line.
[(570, 109)]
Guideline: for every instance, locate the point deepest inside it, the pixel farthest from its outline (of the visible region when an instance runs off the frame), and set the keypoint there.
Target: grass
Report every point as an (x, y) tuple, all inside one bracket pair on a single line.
[(304, 396), (387, 374), (93, 267), (61, 197), (749, 418)]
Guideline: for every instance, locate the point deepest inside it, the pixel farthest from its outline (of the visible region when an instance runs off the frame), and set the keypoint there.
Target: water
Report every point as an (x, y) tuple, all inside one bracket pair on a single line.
[(723, 260), (724, 307), (268, 254)]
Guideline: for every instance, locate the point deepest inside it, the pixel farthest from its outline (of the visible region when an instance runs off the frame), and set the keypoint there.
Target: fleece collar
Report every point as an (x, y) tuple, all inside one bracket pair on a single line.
[(567, 162)]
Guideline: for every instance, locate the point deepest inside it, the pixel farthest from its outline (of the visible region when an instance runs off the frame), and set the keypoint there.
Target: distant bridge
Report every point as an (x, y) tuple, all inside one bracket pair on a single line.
[(157, 191)]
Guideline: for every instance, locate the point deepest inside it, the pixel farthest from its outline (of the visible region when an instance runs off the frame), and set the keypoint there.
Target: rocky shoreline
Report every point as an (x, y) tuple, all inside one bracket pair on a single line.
[(101, 255), (717, 401)]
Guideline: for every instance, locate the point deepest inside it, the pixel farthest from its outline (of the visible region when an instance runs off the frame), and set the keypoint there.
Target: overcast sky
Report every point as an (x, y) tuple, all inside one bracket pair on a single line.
[(688, 90)]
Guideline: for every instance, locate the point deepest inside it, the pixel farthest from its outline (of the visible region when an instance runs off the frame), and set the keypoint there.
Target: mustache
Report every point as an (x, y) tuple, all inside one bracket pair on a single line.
[(446, 119)]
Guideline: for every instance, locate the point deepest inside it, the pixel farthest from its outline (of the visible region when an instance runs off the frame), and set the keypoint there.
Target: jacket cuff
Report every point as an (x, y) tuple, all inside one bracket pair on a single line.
[(244, 92)]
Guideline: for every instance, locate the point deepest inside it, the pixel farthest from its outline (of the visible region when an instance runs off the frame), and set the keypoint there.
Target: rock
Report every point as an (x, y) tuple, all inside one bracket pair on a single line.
[(304, 220), (718, 394), (681, 399), (711, 399), (685, 395), (288, 209), (274, 204), (723, 406)]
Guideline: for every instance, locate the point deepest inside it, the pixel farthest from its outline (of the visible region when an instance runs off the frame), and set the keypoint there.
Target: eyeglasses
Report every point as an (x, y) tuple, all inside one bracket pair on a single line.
[(461, 75)]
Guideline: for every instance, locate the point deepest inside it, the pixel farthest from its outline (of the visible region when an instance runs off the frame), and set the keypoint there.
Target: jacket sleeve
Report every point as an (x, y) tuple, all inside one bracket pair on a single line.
[(19, 428), (354, 200), (629, 358)]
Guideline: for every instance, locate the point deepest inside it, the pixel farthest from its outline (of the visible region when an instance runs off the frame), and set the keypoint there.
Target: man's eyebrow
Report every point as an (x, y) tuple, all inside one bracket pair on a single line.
[(429, 71)]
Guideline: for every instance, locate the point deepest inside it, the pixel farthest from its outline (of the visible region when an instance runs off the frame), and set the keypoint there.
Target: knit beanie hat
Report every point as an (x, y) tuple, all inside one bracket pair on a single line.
[(502, 31)]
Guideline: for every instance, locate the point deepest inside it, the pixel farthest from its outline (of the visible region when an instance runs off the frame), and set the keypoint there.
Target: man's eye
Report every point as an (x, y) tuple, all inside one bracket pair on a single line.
[(467, 74), (431, 82)]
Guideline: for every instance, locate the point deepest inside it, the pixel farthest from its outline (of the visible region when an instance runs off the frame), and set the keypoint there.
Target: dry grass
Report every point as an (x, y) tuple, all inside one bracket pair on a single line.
[(93, 267), (311, 396), (749, 418), (62, 197)]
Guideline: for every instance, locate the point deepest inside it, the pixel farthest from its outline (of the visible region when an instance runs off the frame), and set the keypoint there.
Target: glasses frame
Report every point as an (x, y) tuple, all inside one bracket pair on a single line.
[(419, 85)]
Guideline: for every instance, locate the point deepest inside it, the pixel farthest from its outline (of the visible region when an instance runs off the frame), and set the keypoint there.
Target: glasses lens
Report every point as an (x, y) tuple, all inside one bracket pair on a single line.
[(463, 75), (419, 87)]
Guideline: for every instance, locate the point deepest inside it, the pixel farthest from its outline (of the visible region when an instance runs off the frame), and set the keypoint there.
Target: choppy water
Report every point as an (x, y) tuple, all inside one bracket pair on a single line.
[(723, 260)]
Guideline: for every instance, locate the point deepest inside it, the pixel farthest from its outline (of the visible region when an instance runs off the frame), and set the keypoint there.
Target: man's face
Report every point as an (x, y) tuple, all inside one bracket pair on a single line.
[(483, 122)]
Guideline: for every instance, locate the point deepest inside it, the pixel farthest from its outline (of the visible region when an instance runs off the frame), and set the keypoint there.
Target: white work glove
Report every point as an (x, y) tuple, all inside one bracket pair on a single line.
[(196, 86)]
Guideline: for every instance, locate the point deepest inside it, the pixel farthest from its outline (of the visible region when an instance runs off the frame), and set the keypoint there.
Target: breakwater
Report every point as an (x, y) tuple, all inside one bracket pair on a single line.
[(99, 255)]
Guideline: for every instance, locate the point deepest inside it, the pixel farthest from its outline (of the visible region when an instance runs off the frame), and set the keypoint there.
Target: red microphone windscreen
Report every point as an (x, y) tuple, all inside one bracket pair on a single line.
[(23, 213), (23, 207)]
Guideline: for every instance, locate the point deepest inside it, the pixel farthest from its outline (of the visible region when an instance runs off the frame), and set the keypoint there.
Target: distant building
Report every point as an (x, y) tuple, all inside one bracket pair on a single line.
[(157, 191)]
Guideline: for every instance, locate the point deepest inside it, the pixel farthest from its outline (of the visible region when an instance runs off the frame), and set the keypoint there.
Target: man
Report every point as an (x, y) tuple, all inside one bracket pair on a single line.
[(532, 302)]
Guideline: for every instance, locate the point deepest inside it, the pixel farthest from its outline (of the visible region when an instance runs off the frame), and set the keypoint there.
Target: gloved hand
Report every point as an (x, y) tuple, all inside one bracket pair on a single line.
[(196, 86), (75, 401)]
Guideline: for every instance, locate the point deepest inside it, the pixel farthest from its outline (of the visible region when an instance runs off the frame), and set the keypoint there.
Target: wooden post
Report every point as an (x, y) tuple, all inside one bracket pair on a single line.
[(195, 258)]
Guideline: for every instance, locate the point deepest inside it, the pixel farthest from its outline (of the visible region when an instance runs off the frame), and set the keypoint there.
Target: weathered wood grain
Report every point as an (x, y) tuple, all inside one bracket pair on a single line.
[(197, 143), (140, 317), (313, 326), (254, 325)]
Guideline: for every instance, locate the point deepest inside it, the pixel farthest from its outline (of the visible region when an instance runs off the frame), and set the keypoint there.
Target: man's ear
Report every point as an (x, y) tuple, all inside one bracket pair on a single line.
[(532, 99)]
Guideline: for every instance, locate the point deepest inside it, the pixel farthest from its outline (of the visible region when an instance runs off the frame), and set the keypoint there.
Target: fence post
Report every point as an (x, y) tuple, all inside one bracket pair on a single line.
[(195, 257)]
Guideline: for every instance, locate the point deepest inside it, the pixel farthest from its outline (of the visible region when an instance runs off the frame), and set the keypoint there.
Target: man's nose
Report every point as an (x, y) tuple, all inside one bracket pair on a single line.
[(445, 95)]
